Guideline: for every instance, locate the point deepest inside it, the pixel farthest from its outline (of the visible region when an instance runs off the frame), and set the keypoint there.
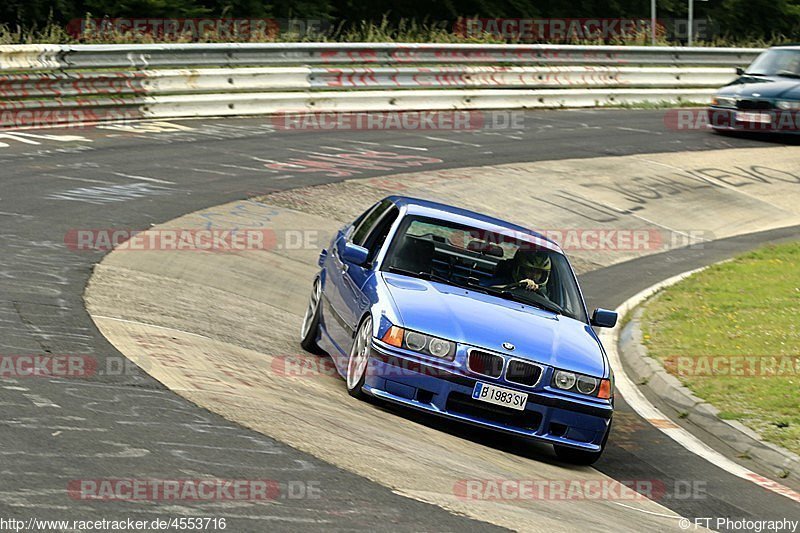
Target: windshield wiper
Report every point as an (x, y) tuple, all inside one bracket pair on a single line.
[(788, 74), (424, 275), (508, 295)]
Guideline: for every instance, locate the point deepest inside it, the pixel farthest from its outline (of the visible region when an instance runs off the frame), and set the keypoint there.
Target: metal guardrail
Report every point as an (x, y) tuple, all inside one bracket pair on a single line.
[(144, 56), (62, 83)]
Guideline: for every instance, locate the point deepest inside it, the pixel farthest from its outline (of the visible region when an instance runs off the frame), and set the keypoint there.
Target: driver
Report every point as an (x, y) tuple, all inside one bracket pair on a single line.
[(530, 270)]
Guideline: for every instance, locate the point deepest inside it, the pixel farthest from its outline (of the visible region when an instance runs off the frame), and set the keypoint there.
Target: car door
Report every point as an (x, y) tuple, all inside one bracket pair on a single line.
[(356, 277), (337, 291)]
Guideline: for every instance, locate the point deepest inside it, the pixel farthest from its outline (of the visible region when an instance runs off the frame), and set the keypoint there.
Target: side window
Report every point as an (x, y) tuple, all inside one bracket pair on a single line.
[(362, 230), (377, 236), (357, 222)]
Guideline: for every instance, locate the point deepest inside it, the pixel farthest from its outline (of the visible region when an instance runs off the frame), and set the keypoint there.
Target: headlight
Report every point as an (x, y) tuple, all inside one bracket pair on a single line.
[(588, 385), (788, 105), (723, 101), (564, 380), (439, 348), (419, 342), (416, 341)]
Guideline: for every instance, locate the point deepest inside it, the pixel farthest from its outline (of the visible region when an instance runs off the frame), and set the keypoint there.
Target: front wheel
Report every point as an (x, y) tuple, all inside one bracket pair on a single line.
[(310, 329), (359, 359)]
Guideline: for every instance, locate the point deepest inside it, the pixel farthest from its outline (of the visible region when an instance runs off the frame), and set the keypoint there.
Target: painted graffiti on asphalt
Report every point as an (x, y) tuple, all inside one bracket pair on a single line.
[(639, 191)]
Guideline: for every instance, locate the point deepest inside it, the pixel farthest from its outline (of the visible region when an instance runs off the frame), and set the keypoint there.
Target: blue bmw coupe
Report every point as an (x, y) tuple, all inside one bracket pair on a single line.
[(466, 316)]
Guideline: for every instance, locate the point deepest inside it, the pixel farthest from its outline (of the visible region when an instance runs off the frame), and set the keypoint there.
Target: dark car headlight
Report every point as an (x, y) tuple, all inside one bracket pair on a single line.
[(420, 342), (583, 384), (788, 105), (723, 101)]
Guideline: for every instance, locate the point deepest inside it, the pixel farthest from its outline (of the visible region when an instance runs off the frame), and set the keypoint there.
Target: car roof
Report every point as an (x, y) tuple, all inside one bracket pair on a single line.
[(790, 46), (417, 206)]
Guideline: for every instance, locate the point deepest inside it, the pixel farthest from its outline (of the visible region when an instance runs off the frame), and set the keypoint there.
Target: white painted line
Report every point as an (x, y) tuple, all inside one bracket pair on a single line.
[(46, 136), (645, 511), (41, 401), (85, 180), (403, 147), (150, 326), (12, 137), (657, 419), (452, 141), (252, 169), (261, 160), (364, 142), (144, 178), (334, 148), (636, 130), (208, 171)]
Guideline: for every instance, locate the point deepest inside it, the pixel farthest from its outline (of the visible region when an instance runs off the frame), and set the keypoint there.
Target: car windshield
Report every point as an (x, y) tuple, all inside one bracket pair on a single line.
[(776, 62), (500, 265)]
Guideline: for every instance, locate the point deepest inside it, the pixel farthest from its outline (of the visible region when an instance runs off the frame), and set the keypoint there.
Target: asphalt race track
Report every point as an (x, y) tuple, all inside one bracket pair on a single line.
[(127, 425)]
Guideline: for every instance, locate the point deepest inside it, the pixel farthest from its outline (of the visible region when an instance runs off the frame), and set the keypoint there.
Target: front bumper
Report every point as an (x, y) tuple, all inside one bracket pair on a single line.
[(725, 119), (413, 382)]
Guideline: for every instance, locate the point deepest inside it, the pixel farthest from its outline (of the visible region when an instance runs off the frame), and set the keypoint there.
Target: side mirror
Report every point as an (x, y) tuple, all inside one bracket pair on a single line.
[(739, 71), (603, 318), (354, 254)]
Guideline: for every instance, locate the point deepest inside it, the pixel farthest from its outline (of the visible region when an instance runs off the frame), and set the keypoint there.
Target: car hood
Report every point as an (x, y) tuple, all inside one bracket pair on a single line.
[(771, 87), (485, 321)]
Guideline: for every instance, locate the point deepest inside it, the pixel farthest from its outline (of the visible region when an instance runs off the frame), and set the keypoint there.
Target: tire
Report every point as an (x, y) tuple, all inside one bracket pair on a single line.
[(359, 360), (580, 457), (310, 328)]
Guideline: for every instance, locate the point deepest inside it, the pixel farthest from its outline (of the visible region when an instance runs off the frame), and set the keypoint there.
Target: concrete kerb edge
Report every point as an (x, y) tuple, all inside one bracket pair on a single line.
[(649, 374)]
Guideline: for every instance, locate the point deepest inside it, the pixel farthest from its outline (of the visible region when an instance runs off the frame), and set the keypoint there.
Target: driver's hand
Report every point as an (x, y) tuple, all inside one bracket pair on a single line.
[(528, 284)]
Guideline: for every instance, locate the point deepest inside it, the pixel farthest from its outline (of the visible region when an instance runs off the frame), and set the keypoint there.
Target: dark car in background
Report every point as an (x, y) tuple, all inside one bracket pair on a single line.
[(764, 98)]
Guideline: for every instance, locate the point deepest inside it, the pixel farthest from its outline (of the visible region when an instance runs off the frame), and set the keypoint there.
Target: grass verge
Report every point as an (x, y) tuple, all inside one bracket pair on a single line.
[(731, 334)]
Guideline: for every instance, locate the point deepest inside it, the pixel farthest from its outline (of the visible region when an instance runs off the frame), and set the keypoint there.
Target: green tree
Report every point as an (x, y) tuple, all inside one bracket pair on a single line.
[(760, 18), (147, 8)]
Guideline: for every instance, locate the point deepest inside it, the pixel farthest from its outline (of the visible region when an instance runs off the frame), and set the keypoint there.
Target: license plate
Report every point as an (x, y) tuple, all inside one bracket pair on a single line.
[(500, 396), (761, 118)]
